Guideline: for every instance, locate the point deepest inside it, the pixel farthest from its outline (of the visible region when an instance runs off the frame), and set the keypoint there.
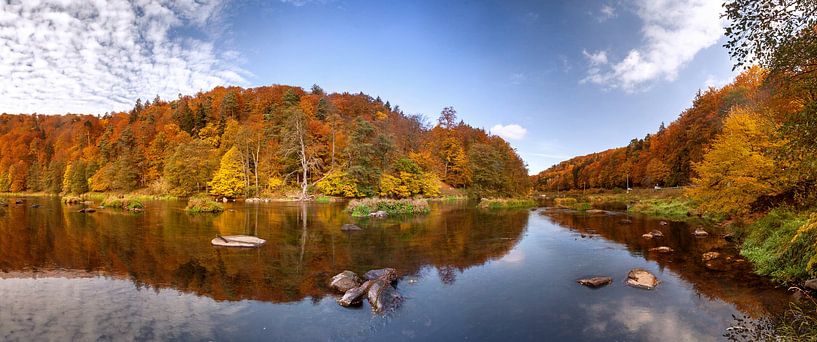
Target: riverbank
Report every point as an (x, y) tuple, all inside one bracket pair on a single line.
[(781, 243)]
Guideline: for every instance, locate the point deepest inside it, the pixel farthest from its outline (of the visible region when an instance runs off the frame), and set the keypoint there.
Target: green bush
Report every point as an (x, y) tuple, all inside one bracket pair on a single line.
[(203, 205)]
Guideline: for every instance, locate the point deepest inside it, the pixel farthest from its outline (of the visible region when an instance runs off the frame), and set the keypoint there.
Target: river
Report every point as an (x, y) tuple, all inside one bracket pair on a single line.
[(469, 274)]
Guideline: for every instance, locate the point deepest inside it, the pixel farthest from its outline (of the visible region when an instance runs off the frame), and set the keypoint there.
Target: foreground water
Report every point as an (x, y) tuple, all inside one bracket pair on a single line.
[(469, 274)]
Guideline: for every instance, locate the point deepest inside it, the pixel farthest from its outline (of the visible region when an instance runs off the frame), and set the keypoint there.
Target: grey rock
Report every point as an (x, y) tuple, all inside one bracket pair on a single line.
[(383, 297), (378, 214), (387, 274), (811, 284), (350, 227), (641, 279), (596, 281), (355, 296), (345, 281)]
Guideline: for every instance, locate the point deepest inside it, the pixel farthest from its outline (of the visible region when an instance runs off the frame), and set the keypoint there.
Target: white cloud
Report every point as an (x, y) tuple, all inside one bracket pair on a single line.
[(596, 59), (62, 56), (606, 12), (512, 131), (674, 31)]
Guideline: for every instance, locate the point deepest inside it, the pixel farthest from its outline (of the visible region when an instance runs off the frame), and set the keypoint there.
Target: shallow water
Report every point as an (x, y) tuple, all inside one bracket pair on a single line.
[(469, 274)]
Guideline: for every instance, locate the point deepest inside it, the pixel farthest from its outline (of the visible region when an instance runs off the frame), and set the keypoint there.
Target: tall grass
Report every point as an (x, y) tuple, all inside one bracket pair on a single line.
[(506, 203), (777, 250), (364, 207), (203, 205)]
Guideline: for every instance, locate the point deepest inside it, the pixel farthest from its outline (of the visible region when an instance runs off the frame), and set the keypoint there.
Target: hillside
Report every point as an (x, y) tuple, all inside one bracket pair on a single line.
[(266, 141), (664, 158)]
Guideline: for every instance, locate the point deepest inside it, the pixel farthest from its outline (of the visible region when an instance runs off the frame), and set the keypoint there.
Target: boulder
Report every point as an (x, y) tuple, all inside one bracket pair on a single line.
[(700, 232), (386, 274), (355, 295), (382, 296), (662, 249), (811, 284), (19, 201), (378, 214), (350, 228), (653, 234), (345, 281), (709, 256), (641, 279), (596, 281)]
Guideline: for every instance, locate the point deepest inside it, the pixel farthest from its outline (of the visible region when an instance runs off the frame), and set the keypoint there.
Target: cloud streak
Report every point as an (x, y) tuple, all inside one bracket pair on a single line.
[(61, 56), (673, 33)]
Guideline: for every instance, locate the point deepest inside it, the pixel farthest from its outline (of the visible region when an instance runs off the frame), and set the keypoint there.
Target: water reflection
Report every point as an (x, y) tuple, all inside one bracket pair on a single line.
[(730, 279), (166, 247)]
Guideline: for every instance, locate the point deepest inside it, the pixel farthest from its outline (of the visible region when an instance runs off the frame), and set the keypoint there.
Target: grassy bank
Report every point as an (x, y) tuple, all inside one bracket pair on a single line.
[(506, 203), (670, 204), (392, 207), (783, 245)]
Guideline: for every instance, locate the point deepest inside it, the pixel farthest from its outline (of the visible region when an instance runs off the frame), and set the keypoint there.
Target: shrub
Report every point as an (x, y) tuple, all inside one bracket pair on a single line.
[(123, 202), (203, 205), (338, 183), (364, 207)]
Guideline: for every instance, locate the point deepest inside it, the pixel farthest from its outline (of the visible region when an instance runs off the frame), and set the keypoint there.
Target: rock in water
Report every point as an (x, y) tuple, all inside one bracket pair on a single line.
[(345, 281), (700, 232), (710, 256), (641, 279), (382, 296), (596, 281), (657, 233), (625, 221), (662, 249), (87, 210), (387, 274), (811, 284), (355, 295), (663, 223), (596, 212), (350, 228), (379, 214)]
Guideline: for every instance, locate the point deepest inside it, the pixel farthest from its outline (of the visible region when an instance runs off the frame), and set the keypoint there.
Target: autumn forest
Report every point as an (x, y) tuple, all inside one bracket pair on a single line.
[(265, 141)]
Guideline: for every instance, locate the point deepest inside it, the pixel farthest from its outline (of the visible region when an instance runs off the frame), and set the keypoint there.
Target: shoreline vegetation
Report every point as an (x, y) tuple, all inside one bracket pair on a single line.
[(381, 207)]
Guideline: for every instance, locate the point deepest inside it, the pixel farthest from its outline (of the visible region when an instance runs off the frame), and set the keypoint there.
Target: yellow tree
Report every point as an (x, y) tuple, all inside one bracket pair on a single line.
[(229, 179), (738, 168)]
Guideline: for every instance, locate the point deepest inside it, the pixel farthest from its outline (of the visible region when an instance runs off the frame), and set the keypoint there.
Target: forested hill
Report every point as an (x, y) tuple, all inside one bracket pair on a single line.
[(264, 141), (665, 158)]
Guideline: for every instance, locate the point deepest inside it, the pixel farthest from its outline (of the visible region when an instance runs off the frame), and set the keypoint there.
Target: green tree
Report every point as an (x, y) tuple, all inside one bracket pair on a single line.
[(189, 168)]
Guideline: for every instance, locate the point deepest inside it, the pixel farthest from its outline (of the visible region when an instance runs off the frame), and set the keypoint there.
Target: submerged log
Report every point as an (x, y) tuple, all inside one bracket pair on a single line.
[(243, 241)]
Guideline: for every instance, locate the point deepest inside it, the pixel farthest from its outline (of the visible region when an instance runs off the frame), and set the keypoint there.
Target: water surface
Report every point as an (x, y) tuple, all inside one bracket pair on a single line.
[(469, 274)]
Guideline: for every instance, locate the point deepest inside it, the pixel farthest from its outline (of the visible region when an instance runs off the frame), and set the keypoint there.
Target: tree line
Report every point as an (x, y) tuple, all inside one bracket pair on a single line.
[(266, 141), (746, 147)]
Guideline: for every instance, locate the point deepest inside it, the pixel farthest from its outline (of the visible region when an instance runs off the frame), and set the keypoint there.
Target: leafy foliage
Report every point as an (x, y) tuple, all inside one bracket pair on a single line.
[(228, 180)]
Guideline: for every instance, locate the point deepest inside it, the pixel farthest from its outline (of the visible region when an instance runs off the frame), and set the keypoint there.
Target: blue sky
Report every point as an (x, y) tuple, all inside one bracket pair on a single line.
[(557, 79)]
